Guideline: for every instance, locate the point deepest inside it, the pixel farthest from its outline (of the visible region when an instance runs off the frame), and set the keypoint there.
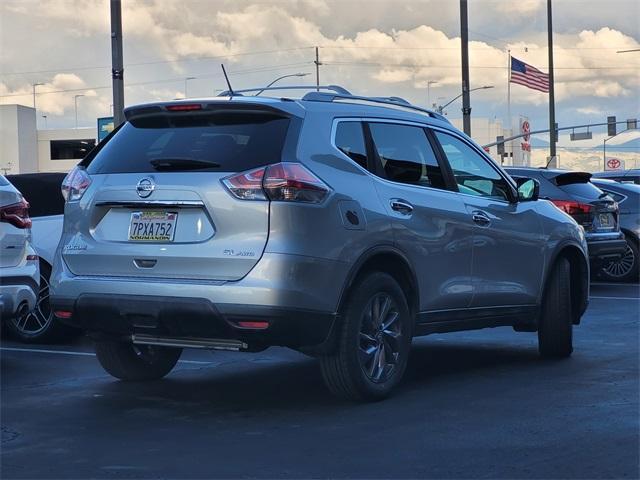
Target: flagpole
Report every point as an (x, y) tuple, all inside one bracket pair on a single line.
[(509, 89)]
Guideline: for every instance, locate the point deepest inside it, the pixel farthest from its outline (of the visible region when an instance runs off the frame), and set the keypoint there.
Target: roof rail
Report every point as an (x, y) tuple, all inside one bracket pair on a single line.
[(334, 88), (395, 101)]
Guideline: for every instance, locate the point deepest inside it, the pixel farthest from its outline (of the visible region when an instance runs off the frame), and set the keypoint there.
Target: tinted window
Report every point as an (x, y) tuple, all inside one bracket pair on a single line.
[(3, 181), (350, 140), (616, 196), (228, 142), (472, 172), (71, 149), (406, 154), (42, 191), (585, 190)]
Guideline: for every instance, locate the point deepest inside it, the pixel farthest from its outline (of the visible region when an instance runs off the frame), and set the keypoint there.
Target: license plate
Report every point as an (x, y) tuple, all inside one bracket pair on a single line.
[(605, 220), (152, 226)]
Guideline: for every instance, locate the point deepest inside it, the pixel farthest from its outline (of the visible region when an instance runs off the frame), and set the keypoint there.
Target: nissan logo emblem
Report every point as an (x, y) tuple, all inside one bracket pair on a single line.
[(145, 187)]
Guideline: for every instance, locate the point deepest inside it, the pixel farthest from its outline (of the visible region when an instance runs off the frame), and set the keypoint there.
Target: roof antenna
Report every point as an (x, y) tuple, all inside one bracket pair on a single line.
[(227, 79)]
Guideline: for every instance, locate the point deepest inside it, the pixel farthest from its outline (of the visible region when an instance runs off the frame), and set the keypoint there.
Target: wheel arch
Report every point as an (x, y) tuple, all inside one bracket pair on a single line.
[(579, 267), (390, 260)]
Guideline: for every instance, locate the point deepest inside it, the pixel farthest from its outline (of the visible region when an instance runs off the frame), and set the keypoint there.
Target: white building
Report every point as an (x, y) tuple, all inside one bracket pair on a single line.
[(25, 149)]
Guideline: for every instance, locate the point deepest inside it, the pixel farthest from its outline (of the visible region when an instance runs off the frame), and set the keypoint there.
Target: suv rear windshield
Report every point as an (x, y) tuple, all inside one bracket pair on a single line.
[(221, 142), (584, 190)]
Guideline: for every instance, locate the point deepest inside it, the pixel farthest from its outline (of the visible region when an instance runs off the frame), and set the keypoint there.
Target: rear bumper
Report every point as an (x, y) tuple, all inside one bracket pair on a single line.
[(602, 251), (180, 317), (19, 285)]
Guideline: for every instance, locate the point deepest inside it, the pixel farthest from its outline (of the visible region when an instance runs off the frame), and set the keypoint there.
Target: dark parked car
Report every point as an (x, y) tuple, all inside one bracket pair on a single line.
[(622, 176), (593, 209), (627, 269)]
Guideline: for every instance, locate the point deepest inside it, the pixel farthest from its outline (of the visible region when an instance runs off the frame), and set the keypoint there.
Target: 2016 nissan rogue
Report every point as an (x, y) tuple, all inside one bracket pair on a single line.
[(337, 225)]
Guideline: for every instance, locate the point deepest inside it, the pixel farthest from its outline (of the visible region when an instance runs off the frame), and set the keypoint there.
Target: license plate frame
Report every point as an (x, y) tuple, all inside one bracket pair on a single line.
[(606, 221), (149, 226)]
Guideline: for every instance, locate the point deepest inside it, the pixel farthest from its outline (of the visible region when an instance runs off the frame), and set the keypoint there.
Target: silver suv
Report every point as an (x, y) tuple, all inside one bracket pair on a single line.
[(337, 225)]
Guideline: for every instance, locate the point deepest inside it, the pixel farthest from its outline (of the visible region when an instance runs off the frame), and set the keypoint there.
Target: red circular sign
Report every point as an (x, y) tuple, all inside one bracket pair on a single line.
[(613, 163), (526, 128)]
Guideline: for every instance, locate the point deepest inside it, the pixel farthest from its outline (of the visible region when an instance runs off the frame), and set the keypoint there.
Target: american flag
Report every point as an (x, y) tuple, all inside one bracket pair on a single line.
[(529, 76)]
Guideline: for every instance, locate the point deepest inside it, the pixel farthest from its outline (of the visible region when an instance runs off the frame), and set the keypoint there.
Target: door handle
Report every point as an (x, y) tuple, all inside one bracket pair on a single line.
[(481, 218), (401, 206)]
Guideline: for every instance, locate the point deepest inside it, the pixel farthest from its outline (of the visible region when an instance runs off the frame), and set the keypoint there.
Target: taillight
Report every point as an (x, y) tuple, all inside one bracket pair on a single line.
[(572, 207), (292, 182), (247, 185), (75, 184), (184, 107), (285, 182), (17, 214)]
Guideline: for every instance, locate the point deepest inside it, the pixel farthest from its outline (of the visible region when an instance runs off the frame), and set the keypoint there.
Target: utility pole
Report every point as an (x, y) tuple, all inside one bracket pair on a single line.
[(552, 105), (464, 39), (117, 69), (34, 85), (318, 63), (75, 103)]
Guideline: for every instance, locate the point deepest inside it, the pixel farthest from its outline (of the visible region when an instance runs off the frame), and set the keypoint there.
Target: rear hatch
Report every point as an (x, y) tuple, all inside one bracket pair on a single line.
[(592, 208), (157, 208)]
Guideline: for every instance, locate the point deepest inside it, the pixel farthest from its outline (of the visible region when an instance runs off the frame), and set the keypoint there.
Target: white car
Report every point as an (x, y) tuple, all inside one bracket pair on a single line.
[(42, 190), (19, 266)]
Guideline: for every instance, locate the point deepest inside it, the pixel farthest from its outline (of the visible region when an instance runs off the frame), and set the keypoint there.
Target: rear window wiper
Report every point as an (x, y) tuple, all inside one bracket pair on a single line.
[(177, 163)]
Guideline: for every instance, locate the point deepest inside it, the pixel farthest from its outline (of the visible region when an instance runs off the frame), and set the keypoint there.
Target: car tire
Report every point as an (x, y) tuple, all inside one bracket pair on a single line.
[(555, 328), (627, 269), (130, 362), (373, 341), (40, 325)]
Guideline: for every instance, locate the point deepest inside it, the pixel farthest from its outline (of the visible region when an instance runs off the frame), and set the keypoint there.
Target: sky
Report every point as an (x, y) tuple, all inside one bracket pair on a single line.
[(375, 47)]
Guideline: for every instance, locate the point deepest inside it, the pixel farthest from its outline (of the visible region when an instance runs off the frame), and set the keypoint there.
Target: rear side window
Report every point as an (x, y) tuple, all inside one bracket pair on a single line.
[(224, 142), (584, 190), (350, 141), (406, 154)]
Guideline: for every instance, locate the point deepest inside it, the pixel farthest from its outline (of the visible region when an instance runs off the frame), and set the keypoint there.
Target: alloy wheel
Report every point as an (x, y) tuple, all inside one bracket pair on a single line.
[(380, 338), (622, 266), (38, 319)]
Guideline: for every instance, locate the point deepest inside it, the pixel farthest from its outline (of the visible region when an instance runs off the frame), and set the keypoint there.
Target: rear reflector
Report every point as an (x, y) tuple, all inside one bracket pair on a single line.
[(188, 107), (254, 325), (62, 314)]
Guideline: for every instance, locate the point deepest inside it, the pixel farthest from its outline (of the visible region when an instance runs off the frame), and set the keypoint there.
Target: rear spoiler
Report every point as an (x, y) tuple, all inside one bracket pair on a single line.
[(569, 178), (204, 108)]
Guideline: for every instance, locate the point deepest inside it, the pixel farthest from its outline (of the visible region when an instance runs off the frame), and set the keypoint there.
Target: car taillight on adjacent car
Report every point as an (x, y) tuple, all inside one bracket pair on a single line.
[(17, 214), (572, 207), (285, 182), (75, 184)]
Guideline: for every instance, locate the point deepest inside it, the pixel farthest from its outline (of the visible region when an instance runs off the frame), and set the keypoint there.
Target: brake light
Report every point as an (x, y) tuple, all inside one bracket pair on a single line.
[(572, 207), (292, 182), (75, 184), (285, 182), (17, 214), (247, 185), (186, 107)]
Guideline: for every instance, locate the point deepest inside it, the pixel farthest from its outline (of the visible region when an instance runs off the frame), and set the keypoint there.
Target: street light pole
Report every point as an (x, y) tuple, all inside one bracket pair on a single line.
[(552, 105), (75, 102), (45, 121), (185, 85), (442, 107), (34, 93), (280, 78), (464, 39), (117, 68)]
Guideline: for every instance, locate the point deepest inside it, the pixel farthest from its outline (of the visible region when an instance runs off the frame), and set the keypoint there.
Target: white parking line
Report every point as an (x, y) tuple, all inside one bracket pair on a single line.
[(80, 354), (613, 298)]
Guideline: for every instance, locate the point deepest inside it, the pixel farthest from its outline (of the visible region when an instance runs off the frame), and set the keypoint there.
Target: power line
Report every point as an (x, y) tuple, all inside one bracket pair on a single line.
[(416, 65), (159, 62), (265, 68)]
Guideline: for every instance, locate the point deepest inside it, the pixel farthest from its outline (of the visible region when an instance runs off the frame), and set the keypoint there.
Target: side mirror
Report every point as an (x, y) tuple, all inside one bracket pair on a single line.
[(528, 189)]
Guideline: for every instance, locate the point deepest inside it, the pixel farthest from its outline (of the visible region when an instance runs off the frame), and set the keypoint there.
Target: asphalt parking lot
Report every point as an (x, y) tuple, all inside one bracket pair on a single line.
[(473, 404)]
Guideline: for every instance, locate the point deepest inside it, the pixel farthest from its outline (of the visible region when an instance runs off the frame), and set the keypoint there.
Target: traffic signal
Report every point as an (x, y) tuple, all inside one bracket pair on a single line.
[(500, 145), (611, 126), (632, 124)]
